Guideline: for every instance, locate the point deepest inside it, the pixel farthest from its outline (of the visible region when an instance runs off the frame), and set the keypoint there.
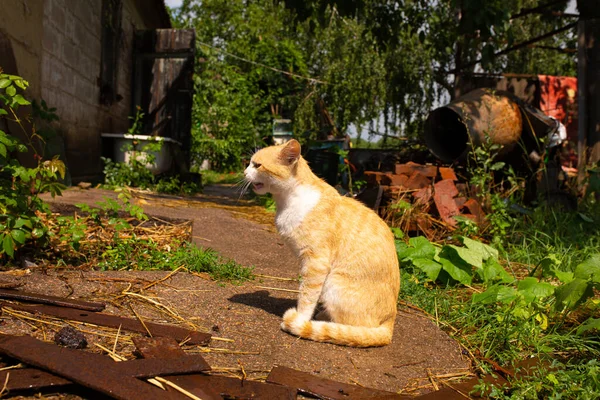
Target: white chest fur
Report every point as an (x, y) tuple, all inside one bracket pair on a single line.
[(294, 207)]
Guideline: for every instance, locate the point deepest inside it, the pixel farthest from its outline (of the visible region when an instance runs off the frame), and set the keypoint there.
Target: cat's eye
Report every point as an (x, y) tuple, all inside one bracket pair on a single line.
[(256, 165)]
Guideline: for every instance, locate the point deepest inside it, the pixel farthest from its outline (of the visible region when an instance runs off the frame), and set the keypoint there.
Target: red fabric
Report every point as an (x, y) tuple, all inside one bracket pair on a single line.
[(559, 100)]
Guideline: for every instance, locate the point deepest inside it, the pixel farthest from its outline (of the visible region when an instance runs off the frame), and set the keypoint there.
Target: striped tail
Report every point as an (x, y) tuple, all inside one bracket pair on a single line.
[(331, 332)]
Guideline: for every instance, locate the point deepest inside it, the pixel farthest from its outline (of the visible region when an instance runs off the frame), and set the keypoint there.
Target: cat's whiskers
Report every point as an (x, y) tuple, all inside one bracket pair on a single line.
[(243, 186)]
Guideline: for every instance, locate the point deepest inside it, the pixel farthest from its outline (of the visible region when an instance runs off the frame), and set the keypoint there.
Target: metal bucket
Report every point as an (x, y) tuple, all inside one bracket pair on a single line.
[(453, 130)]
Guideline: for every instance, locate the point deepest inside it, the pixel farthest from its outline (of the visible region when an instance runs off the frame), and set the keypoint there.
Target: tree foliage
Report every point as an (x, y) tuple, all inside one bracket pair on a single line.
[(330, 64)]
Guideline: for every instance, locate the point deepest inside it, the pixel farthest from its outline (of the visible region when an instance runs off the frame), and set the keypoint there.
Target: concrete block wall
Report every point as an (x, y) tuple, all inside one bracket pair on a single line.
[(21, 22), (70, 65)]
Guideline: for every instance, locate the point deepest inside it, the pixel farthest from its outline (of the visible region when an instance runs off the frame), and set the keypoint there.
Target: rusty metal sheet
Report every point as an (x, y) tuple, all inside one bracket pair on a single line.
[(166, 349), (158, 347), (31, 379), (114, 321), (91, 370), (151, 367), (52, 300), (232, 388), (326, 389)]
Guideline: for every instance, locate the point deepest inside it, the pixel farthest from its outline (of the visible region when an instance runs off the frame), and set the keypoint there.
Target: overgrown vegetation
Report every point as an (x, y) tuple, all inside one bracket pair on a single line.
[(21, 208), (531, 294), (136, 171), (115, 234), (329, 65)]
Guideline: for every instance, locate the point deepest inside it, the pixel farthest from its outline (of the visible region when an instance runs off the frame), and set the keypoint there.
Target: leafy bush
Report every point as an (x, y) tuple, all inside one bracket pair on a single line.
[(20, 205)]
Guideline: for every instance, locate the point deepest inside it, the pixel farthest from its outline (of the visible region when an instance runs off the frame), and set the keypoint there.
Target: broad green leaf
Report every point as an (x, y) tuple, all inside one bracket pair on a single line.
[(588, 325), (471, 257), (37, 233), (496, 293), (23, 222), (3, 111), (485, 250), (458, 271), (3, 151), (8, 245), (563, 276), (398, 234), (571, 294), (531, 289), (20, 83), (11, 91), (420, 248), (21, 100), (4, 83), (431, 268), (19, 236), (521, 311), (589, 269), (7, 140), (492, 271)]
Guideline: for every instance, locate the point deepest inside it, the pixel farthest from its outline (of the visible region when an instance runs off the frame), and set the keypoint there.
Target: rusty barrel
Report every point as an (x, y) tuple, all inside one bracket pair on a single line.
[(470, 120)]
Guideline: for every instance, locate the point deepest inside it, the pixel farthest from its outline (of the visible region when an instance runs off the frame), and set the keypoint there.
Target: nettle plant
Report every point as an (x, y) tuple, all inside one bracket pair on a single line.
[(20, 186)]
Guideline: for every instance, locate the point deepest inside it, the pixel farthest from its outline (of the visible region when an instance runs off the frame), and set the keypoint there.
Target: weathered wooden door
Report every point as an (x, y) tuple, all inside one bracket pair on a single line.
[(163, 85)]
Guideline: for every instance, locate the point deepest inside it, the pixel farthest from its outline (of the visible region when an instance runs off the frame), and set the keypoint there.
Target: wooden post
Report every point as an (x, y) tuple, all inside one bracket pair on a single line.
[(588, 75)]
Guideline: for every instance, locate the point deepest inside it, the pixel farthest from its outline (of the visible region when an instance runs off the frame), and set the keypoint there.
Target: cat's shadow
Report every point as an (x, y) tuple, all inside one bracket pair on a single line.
[(263, 300)]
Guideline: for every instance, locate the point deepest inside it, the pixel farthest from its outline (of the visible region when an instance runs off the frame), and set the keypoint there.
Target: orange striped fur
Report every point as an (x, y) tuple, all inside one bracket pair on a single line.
[(348, 261)]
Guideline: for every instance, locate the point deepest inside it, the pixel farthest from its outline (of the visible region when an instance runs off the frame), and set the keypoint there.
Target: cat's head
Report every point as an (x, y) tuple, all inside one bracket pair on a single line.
[(273, 169)]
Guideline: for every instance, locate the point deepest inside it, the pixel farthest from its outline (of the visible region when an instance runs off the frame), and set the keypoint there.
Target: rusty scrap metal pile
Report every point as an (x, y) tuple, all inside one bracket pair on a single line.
[(164, 371), (434, 194)]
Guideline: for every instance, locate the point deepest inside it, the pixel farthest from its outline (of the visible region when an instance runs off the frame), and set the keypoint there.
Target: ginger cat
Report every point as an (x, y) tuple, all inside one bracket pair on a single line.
[(347, 255)]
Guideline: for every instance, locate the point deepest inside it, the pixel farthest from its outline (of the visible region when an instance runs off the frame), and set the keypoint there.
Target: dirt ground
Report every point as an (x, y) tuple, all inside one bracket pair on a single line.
[(246, 316)]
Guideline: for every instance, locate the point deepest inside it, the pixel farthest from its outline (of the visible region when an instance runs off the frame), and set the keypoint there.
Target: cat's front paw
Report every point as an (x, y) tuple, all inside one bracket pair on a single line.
[(288, 318), (294, 322)]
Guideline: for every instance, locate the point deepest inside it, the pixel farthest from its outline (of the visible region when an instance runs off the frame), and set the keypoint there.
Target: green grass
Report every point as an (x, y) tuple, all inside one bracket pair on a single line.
[(147, 256), (508, 333), (212, 177), (570, 236)]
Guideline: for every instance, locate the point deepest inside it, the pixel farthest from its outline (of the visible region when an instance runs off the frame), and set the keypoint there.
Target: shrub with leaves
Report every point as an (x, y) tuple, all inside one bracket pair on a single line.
[(20, 186)]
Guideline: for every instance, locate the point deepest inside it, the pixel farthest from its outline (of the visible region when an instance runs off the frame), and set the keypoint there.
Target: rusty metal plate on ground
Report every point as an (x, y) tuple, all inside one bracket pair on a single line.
[(150, 367), (158, 347), (166, 349), (326, 389), (91, 370), (232, 388), (114, 321), (52, 300), (31, 379)]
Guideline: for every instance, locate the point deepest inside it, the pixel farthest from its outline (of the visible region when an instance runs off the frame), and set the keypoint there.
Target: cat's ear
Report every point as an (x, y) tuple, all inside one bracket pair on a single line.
[(290, 152)]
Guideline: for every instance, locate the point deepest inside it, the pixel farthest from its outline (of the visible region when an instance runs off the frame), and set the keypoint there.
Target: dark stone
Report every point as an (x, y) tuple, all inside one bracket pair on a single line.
[(71, 338)]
